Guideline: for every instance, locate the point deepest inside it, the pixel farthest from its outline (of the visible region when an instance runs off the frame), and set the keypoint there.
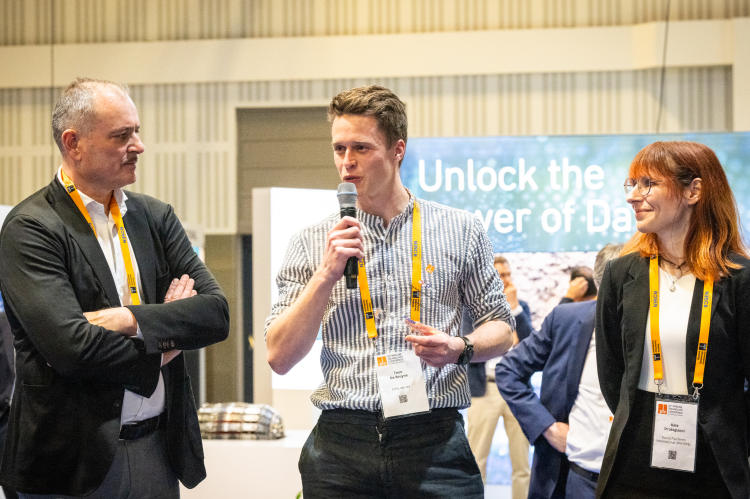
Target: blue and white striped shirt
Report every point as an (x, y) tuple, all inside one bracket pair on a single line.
[(454, 242)]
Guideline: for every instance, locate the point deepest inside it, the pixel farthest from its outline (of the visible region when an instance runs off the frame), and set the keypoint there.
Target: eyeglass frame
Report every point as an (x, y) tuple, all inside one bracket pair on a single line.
[(636, 182)]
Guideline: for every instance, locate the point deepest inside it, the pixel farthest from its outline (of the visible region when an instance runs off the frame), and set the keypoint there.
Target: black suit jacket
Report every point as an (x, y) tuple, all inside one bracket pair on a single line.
[(622, 312), (71, 375), (7, 374)]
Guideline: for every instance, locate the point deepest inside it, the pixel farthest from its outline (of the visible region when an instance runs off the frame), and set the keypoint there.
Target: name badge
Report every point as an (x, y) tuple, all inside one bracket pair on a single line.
[(401, 381), (675, 432)]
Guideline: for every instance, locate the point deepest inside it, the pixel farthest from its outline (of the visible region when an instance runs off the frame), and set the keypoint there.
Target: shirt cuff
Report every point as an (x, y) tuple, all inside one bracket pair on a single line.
[(516, 311), (138, 332)]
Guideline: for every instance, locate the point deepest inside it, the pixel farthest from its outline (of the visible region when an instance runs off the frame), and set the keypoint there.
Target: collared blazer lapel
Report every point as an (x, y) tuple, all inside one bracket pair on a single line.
[(584, 328), (136, 225), (81, 232), (635, 305)]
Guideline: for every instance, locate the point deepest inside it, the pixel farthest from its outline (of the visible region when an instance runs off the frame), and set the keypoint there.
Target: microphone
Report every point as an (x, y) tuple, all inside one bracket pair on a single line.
[(347, 194)]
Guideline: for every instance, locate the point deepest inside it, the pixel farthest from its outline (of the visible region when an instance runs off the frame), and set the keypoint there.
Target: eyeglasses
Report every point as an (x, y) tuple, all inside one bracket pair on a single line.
[(644, 185)]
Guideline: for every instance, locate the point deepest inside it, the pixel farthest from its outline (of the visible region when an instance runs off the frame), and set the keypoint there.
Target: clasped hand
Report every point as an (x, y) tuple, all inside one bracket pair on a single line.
[(121, 319), (435, 348)]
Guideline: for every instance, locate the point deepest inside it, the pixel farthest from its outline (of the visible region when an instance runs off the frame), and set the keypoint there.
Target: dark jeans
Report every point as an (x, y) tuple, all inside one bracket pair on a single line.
[(355, 454)]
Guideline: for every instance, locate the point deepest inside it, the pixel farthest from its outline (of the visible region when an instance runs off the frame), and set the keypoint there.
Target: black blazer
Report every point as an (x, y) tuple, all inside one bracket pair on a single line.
[(71, 375), (7, 374), (622, 312)]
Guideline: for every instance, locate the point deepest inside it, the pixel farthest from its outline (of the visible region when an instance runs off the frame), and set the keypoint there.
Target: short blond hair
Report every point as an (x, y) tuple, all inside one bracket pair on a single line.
[(375, 101)]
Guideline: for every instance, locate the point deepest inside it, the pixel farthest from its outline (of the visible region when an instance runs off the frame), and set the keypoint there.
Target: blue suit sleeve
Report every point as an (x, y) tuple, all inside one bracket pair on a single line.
[(512, 376), (523, 322)]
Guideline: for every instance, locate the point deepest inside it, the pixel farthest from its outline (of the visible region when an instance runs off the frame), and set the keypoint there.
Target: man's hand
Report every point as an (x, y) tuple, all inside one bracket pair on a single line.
[(511, 294), (557, 436), (180, 288), (434, 347), (577, 289), (343, 241), (118, 319)]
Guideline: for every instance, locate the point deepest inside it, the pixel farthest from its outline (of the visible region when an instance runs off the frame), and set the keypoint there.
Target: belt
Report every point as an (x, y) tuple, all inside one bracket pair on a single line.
[(139, 429), (359, 416), (589, 475)]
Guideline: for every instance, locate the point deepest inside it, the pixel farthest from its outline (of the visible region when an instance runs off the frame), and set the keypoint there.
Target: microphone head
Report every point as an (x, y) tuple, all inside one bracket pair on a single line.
[(347, 194)]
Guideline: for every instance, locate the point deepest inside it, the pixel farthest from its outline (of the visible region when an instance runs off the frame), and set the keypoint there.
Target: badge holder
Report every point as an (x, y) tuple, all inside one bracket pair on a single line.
[(675, 431), (403, 392)]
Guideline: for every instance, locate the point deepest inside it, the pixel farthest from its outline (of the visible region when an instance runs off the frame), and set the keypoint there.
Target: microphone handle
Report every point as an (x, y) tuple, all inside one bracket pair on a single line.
[(352, 264)]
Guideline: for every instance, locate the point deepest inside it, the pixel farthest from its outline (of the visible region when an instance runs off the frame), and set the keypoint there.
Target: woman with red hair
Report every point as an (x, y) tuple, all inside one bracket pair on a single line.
[(673, 334)]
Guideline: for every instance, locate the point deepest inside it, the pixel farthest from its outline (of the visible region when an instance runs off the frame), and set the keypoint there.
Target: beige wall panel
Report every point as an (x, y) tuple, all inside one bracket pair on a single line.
[(24, 22), (190, 129), (302, 153), (224, 360)]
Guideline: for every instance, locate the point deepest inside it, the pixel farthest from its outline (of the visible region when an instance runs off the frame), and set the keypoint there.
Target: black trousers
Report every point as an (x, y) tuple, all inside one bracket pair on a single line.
[(140, 470), (633, 476), (355, 454)]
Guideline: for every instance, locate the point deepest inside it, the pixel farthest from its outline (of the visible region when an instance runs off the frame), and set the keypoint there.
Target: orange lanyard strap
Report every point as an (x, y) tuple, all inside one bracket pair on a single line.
[(656, 351), (416, 277), (122, 235)]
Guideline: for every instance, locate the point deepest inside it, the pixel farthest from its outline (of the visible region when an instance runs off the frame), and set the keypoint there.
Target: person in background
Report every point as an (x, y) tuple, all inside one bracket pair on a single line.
[(582, 286), (569, 424), (673, 334), (487, 406), (7, 378)]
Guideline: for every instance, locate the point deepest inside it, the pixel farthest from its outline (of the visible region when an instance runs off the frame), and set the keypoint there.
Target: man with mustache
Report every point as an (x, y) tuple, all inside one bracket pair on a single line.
[(103, 291)]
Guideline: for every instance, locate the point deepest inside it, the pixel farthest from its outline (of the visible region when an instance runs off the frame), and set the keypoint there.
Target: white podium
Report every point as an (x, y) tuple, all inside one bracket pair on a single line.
[(263, 469)]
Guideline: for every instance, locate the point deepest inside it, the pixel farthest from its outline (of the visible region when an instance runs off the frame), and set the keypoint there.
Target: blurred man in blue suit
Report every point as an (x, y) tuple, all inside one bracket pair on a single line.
[(569, 425)]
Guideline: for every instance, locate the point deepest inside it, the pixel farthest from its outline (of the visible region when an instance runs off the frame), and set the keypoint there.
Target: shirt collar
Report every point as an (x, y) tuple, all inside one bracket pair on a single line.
[(94, 206), (375, 223)]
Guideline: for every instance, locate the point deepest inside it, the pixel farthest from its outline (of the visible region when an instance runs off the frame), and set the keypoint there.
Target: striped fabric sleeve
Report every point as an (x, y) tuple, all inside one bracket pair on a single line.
[(294, 274), (483, 288)]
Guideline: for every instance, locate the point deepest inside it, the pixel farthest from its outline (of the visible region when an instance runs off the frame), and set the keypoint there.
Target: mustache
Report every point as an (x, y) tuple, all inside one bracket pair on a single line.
[(130, 159)]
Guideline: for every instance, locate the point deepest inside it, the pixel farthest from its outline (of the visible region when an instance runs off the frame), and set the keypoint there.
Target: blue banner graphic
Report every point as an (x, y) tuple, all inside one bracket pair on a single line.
[(552, 193)]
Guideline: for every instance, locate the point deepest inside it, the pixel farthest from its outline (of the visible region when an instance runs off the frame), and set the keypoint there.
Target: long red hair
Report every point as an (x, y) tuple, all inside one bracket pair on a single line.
[(714, 230)]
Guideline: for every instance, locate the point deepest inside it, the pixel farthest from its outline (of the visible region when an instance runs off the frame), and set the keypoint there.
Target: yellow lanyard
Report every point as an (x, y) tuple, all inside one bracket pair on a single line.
[(115, 210), (416, 277), (656, 352)]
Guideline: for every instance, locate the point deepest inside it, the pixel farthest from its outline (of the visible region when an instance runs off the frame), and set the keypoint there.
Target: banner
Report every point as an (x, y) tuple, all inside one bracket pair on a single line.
[(551, 193)]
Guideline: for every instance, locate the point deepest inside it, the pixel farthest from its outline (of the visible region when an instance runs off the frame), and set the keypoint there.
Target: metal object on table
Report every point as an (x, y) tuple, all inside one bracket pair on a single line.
[(240, 421)]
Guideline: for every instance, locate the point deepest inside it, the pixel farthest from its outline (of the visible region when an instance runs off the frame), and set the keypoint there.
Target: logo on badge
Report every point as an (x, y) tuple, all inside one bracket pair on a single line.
[(657, 356), (382, 361), (662, 408)]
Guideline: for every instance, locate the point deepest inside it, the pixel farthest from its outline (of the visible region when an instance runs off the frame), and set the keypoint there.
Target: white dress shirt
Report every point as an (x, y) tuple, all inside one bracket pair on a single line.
[(134, 407), (590, 419), (674, 309)]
